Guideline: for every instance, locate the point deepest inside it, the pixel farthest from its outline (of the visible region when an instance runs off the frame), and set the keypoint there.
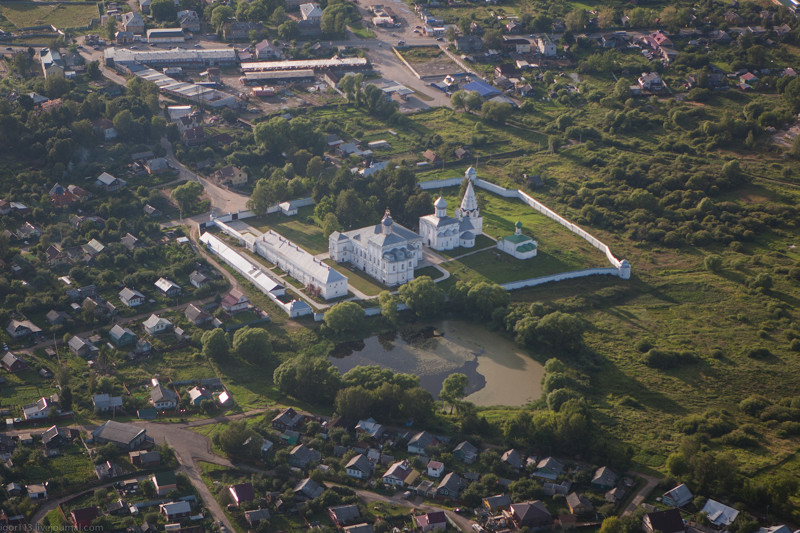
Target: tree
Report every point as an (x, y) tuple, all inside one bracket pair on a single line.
[(66, 399), (344, 317), (493, 38), (622, 90), (496, 112), (606, 17), (423, 296), (111, 28), (219, 16), (450, 34), (309, 378), (215, 345), (473, 101), (288, 30), (576, 20), (186, 195), (330, 224), (454, 389), (388, 303), (233, 438), (314, 167), (252, 344), (459, 99), (713, 262), (164, 10), (93, 70)]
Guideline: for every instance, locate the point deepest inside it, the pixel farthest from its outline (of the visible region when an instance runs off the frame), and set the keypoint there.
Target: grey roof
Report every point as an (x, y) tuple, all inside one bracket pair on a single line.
[(118, 331), (106, 179), (451, 482), (360, 462), (550, 464), (513, 458), (680, 495), (77, 343), (375, 235), (345, 513), (154, 320), (498, 500), (127, 294), (309, 488), (605, 477), (305, 454), (106, 401), (466, 448), (719, 514), (438, 222), (164, 284), (423, 439), (300, 258), (173, 508), (160, 394), (117, 432)]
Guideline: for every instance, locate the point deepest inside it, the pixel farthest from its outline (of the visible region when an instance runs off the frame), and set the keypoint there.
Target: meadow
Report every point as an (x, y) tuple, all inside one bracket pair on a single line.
[(24, 15)]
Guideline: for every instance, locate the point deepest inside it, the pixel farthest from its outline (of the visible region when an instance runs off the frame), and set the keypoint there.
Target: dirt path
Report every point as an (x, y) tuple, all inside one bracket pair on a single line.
[(644, 492)]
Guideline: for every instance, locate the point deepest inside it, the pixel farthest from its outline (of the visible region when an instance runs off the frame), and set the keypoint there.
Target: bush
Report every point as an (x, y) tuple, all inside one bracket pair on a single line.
[(665, 359), (753, 405), (759, 353), (739, 439), (644, 346)]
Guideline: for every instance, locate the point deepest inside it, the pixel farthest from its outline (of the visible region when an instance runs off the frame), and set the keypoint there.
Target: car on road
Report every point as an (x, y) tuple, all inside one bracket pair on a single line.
[(439, 39), (401, 43), (134, 47), (9, 48), (416, 31), (197, 46)]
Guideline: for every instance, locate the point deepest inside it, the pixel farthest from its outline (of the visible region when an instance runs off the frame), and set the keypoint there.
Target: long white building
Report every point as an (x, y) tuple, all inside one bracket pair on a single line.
[(252, 272), (301, 265), (387, 251)]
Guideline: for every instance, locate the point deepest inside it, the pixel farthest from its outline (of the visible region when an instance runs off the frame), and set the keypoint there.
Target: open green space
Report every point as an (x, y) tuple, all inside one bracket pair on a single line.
[(297, 229), (24, 14), (360, 280)]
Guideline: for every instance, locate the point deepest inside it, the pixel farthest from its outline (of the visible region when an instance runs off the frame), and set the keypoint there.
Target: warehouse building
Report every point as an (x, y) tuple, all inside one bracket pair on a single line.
[(199, 58)]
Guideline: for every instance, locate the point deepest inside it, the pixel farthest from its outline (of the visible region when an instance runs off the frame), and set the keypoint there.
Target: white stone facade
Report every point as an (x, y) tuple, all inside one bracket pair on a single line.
[(442, 232), (387, 251), (519, 245)]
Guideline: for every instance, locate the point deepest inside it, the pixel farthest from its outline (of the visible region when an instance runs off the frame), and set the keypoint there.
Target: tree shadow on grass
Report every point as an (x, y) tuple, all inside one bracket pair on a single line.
[(622, 384)]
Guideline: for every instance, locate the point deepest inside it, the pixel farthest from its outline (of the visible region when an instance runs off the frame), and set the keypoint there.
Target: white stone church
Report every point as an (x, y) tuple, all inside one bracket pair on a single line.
[(443, 232), (387, 251)]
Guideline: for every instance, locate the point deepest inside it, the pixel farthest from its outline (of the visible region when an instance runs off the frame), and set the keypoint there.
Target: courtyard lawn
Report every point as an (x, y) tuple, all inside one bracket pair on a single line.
[(305, 234), (499, 267), (23, 15), (360, 280)]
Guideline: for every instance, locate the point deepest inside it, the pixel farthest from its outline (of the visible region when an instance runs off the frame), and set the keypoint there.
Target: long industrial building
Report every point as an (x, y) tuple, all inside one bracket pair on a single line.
[(252, 272), (301, 265), (171, 58), (304, 64), (199, 94), (279, 75)]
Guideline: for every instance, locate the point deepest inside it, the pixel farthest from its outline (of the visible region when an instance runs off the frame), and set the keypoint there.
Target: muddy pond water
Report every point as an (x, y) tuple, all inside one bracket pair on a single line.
[(499, 372)]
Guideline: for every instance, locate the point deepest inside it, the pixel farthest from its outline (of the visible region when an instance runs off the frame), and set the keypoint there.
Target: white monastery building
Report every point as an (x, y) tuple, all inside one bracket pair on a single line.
[(387, 251), (301, 265), (442, 232), (518, 245)]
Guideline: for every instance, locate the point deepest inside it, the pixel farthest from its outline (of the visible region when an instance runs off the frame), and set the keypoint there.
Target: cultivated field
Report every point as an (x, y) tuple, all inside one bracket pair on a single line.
[(24, 15)]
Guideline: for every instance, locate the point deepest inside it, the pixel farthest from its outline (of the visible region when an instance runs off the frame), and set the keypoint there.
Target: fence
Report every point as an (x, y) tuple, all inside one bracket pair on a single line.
[(532, 282)]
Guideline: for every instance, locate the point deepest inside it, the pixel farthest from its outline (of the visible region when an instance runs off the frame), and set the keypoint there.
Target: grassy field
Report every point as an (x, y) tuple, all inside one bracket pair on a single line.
[(296, 229), (60, 16), (361, 281)]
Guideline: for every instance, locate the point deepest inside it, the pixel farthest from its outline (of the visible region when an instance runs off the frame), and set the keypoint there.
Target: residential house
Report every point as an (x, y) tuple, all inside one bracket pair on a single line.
[(604, 478), (240, 31), (13, 489), (82, 518), (420, 442), (196, 316), (107, 470), (109, 183), (359, 528), (242, 493), (56, 437), (719, 514), (450, 486), (512, 458), (197, 395), (167, 287), (123, 37), (133, 22), (12, 363), (118, 507), (431, 156), (311, 12), (266, 51), (257, 516), (130, 242), (28, 232), (678, 497), (61, 197), (664, 522), (176, 510), (104, 128), (56, 318), (125, 436), (400, 474), (546, 46), (93, 248), (462, 153), (359, 467), (36, 491), (22, 328), (52, 64), (55, 257), (287, 419), (131, 297), (156, 165), (533, 515), (151, 211), (145, 459), (516, 45), (469, 44), (369, 427), (301, 456), (81, 347), (164, 482), (344, 515), (105, 402), (614, 495), (121, 336), (496, 503), (650, 81), (235, 301), (231, 175), (37, 411), (465, 452), (308, 489), (435, 469), (733, 18), (578, 504), (189, 20), (431, 521), (551, 489), (548, 468), (198, 280)]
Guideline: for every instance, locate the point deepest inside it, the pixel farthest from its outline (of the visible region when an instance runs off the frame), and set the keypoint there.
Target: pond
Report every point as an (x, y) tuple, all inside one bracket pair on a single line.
[(499, 372)]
